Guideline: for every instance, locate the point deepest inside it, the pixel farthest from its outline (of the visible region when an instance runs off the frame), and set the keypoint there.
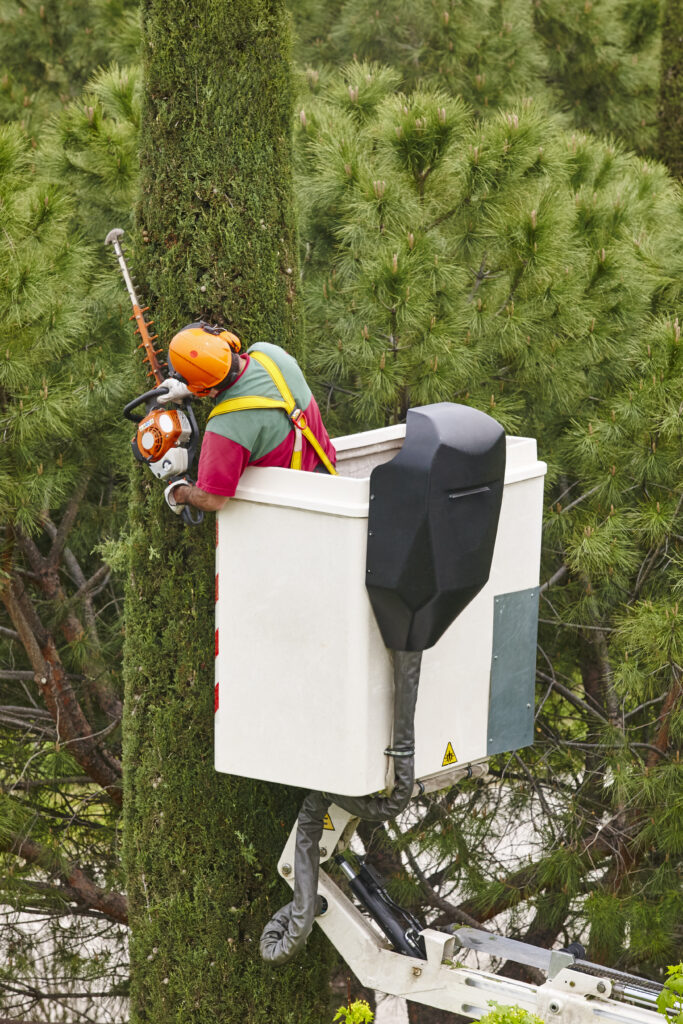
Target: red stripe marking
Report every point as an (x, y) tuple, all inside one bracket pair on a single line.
[(216, 643), (215, 698)]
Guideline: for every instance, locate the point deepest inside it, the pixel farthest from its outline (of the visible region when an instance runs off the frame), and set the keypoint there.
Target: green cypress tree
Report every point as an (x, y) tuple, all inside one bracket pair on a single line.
[(535, 274), (670, 148), (218, 242)]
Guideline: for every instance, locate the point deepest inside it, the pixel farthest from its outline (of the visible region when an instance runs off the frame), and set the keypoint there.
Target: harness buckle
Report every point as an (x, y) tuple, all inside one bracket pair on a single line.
[(298, 419)]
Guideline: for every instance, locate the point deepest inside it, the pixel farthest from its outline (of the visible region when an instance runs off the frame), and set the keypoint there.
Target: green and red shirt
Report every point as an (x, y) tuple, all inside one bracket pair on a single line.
[(258, 437)]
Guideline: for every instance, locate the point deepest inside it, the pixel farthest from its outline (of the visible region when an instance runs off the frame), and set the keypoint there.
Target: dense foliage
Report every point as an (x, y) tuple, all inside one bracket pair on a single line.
[(49, 50), (61, 386), (597, 63)]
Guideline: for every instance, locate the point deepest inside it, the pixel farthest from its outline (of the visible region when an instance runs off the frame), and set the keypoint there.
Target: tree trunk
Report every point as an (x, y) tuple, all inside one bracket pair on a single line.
[(218, 243)]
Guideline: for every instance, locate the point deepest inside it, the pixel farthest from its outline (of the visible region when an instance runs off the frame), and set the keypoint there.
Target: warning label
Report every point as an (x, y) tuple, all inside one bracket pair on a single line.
[(449, 757), (327, 823)]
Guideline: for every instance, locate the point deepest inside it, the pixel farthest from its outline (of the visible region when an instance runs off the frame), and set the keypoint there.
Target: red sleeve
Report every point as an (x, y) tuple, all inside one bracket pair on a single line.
[(221, 464)]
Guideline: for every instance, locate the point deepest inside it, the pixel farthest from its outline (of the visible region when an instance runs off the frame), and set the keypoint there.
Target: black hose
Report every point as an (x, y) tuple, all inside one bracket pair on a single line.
[(286, 933)]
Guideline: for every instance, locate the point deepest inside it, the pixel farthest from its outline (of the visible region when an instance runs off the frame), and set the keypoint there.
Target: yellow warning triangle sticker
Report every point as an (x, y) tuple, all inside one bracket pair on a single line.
[(327, 823), (449, 757)]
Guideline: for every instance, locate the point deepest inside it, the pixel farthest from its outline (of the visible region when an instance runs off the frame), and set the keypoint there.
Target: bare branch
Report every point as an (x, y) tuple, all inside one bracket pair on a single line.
[(101, 576), (577, 501), (31, 551), (555, 578), (67, 522), (658, 750), (27, 785), (25, 725), (571, 697), (62, 703)]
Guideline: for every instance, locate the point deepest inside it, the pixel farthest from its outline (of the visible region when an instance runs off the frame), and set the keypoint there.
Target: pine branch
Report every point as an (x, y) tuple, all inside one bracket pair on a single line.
[(535, 786), (72, 725), (661, 742), (30, 990), (11, 634), (47, 578), (104, 695), (15, 1020), (571, 697), (26, 726), (67, 522), (522, 884), (113, 905), (27, 785), (31, 551), (555, 578), (455, 914)]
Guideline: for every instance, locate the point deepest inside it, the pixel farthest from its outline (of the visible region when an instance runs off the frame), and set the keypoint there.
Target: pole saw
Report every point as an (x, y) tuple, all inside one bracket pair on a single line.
[(166, 439)]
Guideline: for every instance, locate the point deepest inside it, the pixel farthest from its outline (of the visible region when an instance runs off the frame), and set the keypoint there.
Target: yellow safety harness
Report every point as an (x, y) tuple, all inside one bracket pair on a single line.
[(295, 416)]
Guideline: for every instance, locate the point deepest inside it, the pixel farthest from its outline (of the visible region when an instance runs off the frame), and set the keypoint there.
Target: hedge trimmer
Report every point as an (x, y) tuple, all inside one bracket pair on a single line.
[(166, 439)]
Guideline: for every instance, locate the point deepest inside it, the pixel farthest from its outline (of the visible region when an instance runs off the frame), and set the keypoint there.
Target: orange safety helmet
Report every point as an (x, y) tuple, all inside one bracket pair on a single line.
[(202, 355)]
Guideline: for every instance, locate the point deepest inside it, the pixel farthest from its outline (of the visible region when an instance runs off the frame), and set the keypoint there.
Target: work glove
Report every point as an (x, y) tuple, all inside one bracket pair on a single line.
[(177, 391), (175, 508)]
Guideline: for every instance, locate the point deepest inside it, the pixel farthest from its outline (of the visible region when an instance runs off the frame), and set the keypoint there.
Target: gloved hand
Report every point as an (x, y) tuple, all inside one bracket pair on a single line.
[(177, 391), (168, 495)]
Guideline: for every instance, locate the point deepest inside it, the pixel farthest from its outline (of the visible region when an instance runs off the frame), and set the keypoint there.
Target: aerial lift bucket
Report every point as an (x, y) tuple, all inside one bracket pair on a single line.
[(428, 519)]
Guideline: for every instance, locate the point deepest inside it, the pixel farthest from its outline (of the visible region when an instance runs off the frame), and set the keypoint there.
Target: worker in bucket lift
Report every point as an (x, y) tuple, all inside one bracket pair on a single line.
[(264, 413)]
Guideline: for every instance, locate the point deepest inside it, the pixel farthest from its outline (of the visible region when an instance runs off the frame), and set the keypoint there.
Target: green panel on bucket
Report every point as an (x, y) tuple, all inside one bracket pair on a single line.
[(513, 670)]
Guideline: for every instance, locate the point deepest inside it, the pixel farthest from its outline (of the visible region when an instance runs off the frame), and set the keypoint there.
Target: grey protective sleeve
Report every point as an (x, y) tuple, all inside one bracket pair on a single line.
[(286, 933)]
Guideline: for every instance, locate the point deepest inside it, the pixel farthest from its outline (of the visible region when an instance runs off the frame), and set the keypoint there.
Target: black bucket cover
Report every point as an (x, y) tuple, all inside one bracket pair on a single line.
[(432, 524)]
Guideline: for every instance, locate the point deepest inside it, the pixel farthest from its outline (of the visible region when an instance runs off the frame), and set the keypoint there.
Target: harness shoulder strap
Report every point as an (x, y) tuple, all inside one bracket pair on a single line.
[(271, 367), (288, 405), (246, 402)]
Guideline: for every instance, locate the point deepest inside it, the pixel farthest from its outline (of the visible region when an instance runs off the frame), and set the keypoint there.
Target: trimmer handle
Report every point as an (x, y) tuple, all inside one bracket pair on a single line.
[(128, 410), (192, 516)]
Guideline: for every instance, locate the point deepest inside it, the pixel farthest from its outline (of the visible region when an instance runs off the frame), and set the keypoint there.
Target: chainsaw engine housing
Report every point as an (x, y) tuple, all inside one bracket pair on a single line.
[(160, 442)]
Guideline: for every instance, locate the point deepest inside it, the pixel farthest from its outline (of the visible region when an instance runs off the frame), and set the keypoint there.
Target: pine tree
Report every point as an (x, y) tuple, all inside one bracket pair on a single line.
[(49, 49), (603, 62), (485, 52), (596, 62), (216, 218), (508, 264), (60, 793)]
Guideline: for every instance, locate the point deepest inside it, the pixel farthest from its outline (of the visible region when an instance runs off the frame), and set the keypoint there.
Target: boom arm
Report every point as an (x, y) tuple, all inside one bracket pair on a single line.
[(575, 993)]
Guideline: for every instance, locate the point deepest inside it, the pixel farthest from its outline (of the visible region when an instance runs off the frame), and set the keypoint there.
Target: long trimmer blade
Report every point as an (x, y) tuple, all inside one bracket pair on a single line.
[(146, 338)]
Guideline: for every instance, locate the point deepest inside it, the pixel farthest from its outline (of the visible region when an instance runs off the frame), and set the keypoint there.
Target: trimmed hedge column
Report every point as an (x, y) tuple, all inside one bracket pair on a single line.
[(217, 241), (671, 89)]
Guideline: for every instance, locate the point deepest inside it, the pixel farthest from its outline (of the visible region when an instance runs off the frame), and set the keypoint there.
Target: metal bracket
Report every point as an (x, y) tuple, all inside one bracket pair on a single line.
[(337, 832), (439, 946)]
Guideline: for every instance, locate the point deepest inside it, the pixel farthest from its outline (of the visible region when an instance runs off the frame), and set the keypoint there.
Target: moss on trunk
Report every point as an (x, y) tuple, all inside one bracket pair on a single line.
[(219, 242)]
